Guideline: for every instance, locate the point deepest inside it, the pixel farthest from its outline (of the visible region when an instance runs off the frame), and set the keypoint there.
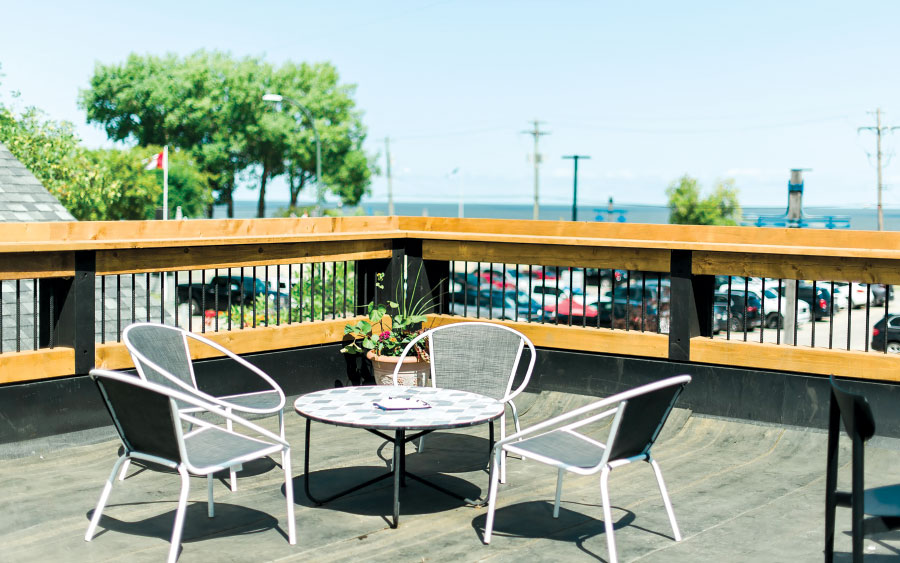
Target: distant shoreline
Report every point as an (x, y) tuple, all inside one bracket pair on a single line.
[(860, 218)]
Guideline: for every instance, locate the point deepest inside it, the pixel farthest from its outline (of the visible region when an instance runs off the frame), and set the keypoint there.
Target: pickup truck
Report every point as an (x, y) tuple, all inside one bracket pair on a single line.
[(241, 290)]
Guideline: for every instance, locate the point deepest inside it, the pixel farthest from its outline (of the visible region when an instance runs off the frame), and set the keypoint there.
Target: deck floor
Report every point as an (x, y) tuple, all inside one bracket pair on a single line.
[(741, 492)]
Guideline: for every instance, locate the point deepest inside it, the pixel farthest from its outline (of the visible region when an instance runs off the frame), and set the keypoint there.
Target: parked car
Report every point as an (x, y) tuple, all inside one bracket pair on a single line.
[(887, 337), (625, 301), (820, 305), (524, 307), (740, 307), (720, 316), (477, 303), (239, 289), (774, 319), (857, 295)]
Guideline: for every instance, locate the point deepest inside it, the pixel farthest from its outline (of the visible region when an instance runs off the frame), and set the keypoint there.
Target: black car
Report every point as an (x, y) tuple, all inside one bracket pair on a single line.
[(222, 291), (740, 307), (820, 306), (890, 337)]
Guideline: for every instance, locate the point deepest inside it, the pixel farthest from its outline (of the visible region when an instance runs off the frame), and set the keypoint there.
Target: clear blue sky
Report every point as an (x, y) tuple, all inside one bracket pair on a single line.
[(650, 90)]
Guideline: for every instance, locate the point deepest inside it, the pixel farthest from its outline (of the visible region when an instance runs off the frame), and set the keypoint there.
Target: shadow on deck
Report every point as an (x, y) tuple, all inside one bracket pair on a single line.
[(741, 492)]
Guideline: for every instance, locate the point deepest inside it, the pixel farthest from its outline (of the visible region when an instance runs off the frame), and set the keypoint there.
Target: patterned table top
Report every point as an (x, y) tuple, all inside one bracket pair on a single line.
[(353, 406)]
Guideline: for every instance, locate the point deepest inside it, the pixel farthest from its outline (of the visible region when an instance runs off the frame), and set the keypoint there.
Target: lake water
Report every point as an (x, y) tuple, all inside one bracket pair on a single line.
[(860, 219)]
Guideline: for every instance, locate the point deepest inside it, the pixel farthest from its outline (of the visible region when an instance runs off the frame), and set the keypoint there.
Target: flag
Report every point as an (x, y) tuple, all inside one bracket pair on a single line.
[(156, 162)]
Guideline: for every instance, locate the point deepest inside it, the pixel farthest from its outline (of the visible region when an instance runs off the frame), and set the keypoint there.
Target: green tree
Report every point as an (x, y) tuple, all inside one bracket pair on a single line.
[(51, 151), (210, 105), (142, 190), (687, 207)]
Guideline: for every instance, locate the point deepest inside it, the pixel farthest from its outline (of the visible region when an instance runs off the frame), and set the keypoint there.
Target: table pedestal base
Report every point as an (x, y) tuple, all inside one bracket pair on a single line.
[(399, 472)]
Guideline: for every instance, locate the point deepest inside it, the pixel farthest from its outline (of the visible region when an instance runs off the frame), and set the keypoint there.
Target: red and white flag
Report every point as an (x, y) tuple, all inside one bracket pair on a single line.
[(156, 162)]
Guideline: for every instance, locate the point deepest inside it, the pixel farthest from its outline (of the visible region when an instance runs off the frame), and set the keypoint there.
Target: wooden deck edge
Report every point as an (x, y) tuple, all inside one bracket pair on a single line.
[(33, 365), (579, 339), (844, 363), (246, 341)]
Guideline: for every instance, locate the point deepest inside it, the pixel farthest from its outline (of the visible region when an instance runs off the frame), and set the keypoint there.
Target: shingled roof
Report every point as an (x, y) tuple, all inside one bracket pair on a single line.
[(22, 197)]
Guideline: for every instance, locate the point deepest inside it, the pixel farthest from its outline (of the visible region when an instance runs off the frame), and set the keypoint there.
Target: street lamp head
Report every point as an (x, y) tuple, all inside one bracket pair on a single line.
[(272, 97)]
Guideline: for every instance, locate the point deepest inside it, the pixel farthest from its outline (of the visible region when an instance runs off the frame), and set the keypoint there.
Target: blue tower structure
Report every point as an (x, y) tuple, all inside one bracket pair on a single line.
[(794, 216)]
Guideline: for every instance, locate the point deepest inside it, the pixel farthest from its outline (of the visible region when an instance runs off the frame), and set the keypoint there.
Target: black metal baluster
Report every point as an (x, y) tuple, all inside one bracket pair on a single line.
[(517, 294), (190, 315), (1, 317), (203, 301), (868, 305), (466, 289), (266, 299), (231, 281), (243, 297), (831, 318), (278, 294), (746, 303), (478, 289), (643, 298), (216, 298), (147, 281), (571, 296), (762, 311), (290, 294), (18, 315), (815, 292), (850, 311), (887, 295), (118, 307), (344, 310), (730, 312), (102, 309), (491, 291), (162, 298), (175, 284), (133, 300), (556, 271), (779, 326), (34, 314), (612, 299), (323, 291), (253, 295), (301, 294), (333, 290), (659, 302)]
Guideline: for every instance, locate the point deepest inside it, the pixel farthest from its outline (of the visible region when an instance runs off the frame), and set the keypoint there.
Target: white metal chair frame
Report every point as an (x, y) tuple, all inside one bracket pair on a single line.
[(510, 393), (183, 465), (612, 406), (139, 358)]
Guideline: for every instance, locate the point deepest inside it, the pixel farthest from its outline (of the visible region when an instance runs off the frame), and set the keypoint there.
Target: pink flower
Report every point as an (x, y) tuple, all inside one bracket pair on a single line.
[(384, 335)]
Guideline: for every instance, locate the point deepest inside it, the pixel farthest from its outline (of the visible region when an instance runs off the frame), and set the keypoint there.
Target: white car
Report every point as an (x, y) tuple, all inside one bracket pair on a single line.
[(773, 320)]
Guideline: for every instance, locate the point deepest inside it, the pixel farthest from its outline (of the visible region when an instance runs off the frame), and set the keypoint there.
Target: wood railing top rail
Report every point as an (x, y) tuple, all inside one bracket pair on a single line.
[(111, 235)]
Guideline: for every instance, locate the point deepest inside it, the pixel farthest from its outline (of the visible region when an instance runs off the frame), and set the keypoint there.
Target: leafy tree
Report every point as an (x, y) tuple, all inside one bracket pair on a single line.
[(142, 190), (210, 105), (686, 207), (51, 151)]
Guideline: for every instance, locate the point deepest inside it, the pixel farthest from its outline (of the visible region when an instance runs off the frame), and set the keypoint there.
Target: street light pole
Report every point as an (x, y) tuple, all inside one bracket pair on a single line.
[(320, 184), (575, 158)]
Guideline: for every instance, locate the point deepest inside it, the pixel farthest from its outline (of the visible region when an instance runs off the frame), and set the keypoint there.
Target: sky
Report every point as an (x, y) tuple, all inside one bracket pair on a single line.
[(649, 90)]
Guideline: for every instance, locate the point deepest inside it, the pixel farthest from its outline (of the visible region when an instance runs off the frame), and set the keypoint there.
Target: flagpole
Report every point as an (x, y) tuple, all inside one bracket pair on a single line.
[(165, 182)]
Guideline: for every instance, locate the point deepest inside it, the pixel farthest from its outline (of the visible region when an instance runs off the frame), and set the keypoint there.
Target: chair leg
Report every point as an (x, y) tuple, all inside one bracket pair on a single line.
[(515, 412), (559, 481), (502, 451), (607, 515), (179, 514), (232, 471), (289, 493), (124, 469), (104, 496), (492, 497), (665, 496), (210, 504)]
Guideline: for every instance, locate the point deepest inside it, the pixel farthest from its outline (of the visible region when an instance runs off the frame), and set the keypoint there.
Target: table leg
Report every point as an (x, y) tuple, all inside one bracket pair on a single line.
[(397, 471), (320, 502), (401, 437)]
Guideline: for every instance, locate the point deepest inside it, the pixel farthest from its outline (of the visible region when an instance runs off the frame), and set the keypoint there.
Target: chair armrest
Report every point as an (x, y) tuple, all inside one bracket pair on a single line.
[(555, 421), (191, 398)]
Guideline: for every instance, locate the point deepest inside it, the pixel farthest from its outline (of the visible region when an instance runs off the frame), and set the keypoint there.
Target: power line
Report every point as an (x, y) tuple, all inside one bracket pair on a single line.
[(536, 133), (879, 130)]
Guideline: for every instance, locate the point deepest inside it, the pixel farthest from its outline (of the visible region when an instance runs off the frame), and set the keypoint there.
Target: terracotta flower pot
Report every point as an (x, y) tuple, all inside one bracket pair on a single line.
[(413, 372)]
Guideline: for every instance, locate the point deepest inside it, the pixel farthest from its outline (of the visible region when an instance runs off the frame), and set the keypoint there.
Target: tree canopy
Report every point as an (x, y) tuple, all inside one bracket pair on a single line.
[(209, 104), (687, 207)]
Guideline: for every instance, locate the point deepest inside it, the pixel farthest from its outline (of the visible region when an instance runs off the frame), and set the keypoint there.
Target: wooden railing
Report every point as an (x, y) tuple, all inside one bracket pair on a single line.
[(65, 259)]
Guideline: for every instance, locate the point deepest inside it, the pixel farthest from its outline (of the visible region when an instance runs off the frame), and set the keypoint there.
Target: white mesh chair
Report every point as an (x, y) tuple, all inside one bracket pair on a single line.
[(479, 358), (638, 417), (148, 418), (161, 355)]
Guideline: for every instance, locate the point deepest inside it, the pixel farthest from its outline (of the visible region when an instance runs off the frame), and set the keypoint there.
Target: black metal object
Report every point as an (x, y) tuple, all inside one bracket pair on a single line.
[(690, 305)]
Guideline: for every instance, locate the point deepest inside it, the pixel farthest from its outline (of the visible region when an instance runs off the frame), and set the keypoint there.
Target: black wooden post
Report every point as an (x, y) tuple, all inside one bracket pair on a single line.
[(73, 311), (691, 304)]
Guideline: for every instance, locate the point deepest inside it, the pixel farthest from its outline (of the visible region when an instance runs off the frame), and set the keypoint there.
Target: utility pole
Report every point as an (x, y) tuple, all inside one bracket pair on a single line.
[(879, 130), (536, 132), (390, 188), (575, 158)]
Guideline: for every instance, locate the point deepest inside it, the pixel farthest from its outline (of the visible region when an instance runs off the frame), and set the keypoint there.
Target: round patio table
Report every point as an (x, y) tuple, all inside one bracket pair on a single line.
[(355, 407)]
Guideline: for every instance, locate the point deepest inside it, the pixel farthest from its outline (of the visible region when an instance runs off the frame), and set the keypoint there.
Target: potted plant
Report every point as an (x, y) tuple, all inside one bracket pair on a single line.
[(385, 334)]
